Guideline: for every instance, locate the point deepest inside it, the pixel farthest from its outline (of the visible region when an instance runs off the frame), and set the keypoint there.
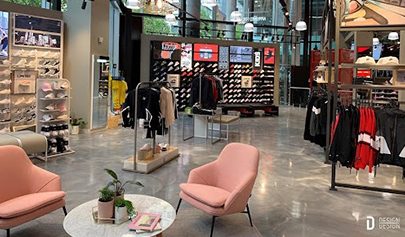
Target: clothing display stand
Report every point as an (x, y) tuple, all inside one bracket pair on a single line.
[(201, 122), (333, 91), (158, 159)]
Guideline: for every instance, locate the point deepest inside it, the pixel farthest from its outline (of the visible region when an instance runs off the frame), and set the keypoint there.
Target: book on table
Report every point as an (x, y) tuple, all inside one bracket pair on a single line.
[(145, 222)]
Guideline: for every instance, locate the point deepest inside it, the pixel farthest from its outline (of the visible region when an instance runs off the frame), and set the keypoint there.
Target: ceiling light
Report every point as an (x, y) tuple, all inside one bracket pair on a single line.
[(301, 26), (376, 41), (209, 3), (249, 27), (236, 16), (133, 4), (393, 36), (170, 19)]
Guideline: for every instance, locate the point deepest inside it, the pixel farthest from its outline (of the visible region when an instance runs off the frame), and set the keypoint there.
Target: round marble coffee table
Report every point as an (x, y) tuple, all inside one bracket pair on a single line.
[(79, 221)]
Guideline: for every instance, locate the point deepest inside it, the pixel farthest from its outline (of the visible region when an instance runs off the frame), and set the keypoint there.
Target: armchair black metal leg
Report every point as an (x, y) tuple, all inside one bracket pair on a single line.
[(178, 206), (248, 212), (212, 225), (8, 232), (64, 210)]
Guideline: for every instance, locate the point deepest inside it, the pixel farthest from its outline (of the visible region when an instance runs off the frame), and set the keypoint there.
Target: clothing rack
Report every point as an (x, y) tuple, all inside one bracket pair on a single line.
[(149, 83)]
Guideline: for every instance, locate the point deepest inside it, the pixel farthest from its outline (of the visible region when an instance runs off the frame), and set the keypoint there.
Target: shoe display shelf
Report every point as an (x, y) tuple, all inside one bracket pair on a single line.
[(5, 91), (54, 115)]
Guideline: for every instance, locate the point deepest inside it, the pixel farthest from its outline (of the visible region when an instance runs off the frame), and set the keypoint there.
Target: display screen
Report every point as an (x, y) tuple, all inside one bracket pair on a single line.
[(27, 22), (166, 50), (269, 55), (206, 52), (4, 16), (240, 54)]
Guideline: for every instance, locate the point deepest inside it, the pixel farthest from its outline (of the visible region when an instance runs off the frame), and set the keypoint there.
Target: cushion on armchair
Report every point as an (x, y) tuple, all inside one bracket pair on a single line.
[(28, 203), (209, 195)]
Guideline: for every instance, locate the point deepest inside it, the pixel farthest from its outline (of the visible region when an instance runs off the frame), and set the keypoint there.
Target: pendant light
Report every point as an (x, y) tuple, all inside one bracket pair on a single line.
[(393, 36), (170, 19), (209, 3), (236, 16), (301, 26), (376, 41), (133, 4), (249, 27)]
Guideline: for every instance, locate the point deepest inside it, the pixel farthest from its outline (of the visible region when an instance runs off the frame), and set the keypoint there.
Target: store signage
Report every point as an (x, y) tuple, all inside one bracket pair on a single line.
[(174, 80), (241, 54), (269, 56), (186, 56), (258, 59), (223, 62), (206, 52), (246, 82), (166, 50), (373, 13)]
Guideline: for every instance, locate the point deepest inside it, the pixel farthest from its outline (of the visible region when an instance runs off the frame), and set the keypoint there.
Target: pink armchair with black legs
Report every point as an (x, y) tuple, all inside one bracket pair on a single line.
[(223, 187), (26, 191)]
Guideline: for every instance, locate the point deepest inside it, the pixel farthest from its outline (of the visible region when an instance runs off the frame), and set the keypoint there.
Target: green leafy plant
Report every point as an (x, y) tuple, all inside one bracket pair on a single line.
[(106, 194), (120, 202), (119, 186), (78, 122)]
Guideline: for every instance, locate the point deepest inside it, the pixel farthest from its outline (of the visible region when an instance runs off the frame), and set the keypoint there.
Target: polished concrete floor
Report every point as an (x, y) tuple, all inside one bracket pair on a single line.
[(291, 196)]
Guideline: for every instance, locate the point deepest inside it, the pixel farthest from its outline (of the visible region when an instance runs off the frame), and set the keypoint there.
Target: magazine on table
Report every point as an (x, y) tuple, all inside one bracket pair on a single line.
[(145, 222)]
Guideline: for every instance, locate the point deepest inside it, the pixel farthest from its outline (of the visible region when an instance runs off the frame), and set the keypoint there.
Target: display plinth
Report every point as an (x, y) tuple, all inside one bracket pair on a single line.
[(149, 165)]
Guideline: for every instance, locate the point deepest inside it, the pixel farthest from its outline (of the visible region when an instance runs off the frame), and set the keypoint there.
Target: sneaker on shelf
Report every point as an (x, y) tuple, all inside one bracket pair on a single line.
[(62, 107), (18, 53), (5, 62), (3, 53), (32, 64), (46, 87), (47, 117), (61, 95), (164, 146), (5, 92), (158, 149), (146, 147), (5, 130), (31, 100), (5, 73), (21, 63), (64, 85), (50, 107), (50, 96), (63, 117), (55, 85), (5, 82), (31, 53), (20, 101)]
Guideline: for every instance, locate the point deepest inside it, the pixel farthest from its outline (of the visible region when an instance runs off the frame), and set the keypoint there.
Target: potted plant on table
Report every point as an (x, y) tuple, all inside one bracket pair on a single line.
[(106, 203), (123, 208), (118, 185), (77, 123)]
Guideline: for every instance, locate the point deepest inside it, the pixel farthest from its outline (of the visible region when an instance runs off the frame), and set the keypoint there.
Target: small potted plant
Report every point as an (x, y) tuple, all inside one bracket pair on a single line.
[(118, 185), (106, 203), (123, 208), (77, 123)]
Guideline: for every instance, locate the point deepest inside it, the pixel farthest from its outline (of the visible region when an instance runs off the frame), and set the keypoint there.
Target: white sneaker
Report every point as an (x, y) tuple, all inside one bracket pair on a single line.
[(3, 53), (50, 96), (20, 101), (19, 53), (47, 117), (32, 64), (50, 107), (5, 82), (64, 117), (5, 73), (61, 95), (146, 147), (31, 100), (5, 101), (5, 62), (64, 85), (32, 53), (5, 130), (5, 92), (21, 63)]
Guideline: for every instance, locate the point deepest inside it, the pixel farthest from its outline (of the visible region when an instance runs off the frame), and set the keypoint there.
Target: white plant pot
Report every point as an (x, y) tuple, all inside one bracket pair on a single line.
[(75, 130), (121, 214)]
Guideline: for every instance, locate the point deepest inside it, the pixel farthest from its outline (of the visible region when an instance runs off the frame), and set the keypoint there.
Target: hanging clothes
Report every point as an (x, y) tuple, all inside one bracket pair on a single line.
[(118, 92), (167, 106), (208, 94)]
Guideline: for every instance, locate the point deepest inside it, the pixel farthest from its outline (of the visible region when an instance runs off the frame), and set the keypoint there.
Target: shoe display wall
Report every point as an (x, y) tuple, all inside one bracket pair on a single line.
[(5, 91), (54, 114)]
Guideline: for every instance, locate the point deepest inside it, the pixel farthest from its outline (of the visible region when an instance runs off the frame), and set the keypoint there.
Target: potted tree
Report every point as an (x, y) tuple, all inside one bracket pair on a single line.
[(118, 185), (77, 123), (123, 208), (106, 203)]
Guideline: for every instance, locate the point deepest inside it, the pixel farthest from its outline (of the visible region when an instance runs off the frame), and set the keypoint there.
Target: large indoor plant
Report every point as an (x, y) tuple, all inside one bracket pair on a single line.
[(123, 208), (118, 185), (106, 203)]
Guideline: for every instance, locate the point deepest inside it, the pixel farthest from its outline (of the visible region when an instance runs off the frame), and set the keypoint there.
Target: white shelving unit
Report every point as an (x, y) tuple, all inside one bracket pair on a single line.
[(54, 114)]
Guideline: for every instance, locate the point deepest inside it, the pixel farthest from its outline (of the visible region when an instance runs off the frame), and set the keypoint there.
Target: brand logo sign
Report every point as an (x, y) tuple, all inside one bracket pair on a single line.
[(383, 223)]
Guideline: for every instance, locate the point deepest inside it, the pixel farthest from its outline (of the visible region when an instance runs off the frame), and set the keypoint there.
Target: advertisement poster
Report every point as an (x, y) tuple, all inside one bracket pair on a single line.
[(269, 56), (361, 13), (166, 50), (240, 54), (174, 80), (246, 82), (3, 35), (223, 58), (258, 59), (186, 56), (206, 52)]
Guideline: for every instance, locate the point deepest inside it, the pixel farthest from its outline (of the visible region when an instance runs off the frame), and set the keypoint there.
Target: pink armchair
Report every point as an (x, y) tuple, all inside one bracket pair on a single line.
[(27, 191), (223, 187)]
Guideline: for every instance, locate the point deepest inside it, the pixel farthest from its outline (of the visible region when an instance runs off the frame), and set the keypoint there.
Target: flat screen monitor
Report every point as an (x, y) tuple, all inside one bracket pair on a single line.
[(206, 52)]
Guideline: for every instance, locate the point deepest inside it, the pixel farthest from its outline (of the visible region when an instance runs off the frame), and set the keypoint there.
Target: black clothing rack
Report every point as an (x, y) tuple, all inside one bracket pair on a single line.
[(148, 83)]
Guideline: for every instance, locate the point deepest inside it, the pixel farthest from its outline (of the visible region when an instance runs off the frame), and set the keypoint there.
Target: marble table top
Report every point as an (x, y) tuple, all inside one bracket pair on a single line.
[(79, 221)]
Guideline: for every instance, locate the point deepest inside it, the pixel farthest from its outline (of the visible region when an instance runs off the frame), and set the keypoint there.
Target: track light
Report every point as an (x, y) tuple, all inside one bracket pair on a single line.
[(84, 4)]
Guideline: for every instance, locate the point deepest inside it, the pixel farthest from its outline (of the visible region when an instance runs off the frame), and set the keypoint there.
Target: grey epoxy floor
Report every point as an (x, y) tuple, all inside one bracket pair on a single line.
[(291, 196)]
